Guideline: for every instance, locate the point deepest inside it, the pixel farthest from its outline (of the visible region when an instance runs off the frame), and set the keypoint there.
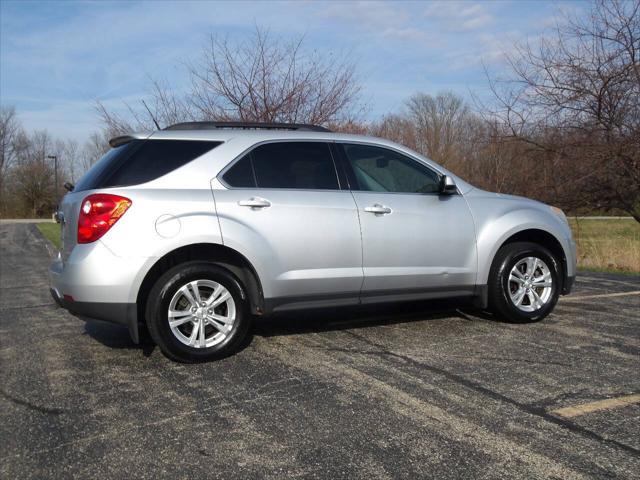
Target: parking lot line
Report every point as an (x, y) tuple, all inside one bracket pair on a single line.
[(602, 295), (607, 404)]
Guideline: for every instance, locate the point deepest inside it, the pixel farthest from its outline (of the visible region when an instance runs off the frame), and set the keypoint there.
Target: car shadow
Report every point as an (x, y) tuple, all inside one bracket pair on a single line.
[(117, 336), (318, 320), (345, 318)]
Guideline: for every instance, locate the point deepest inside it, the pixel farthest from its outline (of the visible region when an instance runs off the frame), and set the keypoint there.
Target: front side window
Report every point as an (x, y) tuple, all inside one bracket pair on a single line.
[(291, 165), (378, 169)]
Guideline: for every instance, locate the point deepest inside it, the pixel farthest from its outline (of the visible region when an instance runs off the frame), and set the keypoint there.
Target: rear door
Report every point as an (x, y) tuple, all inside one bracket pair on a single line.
[(415, 242), (285, 210)]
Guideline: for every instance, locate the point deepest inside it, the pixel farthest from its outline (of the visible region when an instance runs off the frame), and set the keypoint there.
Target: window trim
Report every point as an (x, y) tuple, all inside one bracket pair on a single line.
[(249, 151), (350, 174)]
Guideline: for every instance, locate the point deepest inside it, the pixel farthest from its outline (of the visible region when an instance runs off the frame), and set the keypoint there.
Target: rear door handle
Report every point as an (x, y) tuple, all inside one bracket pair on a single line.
[(378, 209), (255, 202)]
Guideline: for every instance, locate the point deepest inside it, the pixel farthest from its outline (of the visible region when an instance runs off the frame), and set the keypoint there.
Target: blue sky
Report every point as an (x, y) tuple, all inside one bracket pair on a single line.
[(57, 58)]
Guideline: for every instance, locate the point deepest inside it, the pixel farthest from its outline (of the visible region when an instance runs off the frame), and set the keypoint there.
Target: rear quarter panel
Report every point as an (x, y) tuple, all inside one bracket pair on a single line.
[(158, 222)]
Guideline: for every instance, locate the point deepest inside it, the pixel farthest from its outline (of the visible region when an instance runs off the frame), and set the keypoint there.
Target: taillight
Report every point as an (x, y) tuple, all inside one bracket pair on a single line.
[(98, 213)]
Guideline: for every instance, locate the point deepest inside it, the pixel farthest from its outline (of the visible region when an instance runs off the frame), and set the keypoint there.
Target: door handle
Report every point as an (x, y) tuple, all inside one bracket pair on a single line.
[(255, 202), (378, 209)]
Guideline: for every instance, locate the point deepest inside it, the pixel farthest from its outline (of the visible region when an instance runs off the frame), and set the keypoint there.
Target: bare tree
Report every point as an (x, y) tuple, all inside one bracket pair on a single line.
[(574, 101), (440, 124), (32, 177), (262, 79), (163, 106), (266, 79), (398, 128), (94, 148), (12, 139)]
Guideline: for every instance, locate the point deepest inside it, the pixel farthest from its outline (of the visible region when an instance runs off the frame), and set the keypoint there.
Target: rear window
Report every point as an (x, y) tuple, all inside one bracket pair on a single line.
[(141, 161)]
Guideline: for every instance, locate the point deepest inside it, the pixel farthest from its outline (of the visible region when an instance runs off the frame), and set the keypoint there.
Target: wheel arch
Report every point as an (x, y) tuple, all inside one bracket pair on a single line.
[(541, 237), (214, 253)]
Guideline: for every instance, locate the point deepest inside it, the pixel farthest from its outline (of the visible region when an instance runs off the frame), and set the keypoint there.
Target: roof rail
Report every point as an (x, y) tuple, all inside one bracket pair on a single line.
[(246, 126)]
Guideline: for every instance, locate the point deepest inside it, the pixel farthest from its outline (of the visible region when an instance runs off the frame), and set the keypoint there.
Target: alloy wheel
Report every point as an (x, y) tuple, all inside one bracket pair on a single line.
[(530, 284), (201, 313)]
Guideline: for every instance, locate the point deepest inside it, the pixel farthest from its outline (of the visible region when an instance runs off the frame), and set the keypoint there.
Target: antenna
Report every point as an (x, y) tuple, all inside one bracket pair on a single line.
[(151, 114)]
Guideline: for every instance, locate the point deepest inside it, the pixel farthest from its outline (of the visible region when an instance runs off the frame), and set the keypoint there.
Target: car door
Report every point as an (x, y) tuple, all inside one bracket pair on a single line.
[(284, 209), (416, 243)]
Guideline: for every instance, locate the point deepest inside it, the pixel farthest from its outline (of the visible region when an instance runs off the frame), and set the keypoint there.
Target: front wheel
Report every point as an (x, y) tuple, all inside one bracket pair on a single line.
[(197, 312), (524, 282)]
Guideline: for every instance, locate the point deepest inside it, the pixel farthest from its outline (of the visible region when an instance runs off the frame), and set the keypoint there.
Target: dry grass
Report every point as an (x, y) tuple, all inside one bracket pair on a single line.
[(611, 245)]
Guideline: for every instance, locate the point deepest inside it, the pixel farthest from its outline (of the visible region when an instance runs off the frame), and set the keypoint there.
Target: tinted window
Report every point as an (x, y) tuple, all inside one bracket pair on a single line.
[(240, 175), (102, 167), (141, 161), (378, 169), (299, 165)]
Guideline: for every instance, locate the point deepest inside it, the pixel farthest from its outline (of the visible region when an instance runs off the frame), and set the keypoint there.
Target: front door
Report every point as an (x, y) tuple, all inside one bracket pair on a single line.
[(416, 243)]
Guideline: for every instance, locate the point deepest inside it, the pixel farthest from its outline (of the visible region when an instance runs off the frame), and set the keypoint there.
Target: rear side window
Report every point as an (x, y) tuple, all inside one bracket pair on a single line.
[(141, 161), (291, 165)]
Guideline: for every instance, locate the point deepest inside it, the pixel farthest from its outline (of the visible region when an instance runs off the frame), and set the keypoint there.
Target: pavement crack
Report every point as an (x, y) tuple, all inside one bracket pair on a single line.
[(24, 307), (530, 409), (33, 285), (31, 406)]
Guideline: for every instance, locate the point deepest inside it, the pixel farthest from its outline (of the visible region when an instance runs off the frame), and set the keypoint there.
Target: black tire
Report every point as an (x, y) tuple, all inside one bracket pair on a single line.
[(500, 302), (158, 304)]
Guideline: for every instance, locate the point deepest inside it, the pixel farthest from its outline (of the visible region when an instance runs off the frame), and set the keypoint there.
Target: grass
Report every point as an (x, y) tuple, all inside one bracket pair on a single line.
[(611, 245), (51, 231)]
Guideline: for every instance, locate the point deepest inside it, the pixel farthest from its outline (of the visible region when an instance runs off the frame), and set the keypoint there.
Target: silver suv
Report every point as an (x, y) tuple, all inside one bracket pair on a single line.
[(195, 229)]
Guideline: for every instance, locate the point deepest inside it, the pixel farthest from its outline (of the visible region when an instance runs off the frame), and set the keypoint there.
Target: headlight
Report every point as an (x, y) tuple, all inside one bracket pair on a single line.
[(560, 213)]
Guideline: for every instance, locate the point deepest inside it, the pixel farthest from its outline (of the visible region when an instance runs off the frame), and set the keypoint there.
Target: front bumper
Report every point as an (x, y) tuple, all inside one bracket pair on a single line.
[(572, 261), (568, 285)]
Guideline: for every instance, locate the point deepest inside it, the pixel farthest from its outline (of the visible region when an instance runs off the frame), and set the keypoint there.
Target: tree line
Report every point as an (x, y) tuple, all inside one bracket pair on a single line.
[(562, 124)]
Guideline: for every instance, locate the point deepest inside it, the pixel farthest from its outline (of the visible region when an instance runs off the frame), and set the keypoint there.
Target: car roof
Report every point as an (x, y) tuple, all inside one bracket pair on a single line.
[(252, 135), (260, 135)]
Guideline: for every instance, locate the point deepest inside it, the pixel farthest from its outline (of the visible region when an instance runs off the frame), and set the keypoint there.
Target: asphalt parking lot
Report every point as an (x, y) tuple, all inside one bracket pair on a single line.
[(411, 391)]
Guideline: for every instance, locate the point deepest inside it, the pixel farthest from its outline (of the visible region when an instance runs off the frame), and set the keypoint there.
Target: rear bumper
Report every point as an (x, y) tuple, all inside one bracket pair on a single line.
[(125, 314), (94, 283)]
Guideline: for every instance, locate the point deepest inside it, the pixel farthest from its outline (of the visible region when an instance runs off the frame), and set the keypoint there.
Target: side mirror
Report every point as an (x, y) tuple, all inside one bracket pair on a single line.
[(447, 186)]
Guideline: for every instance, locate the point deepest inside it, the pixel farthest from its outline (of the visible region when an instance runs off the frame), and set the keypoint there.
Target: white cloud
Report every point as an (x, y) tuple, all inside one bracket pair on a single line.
[(366, 14), (459, 15)]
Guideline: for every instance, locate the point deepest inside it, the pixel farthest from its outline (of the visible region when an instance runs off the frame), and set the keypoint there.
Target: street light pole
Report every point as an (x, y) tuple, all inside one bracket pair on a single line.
[(55, 168)]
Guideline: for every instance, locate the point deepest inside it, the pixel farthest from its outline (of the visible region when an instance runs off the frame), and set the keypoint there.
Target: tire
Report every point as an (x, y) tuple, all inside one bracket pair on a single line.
[(510, 276), (185, 341)]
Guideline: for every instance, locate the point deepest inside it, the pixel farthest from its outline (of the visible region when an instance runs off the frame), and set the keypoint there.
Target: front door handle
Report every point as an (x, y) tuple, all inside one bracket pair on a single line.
[(378, 209), (255, 202)]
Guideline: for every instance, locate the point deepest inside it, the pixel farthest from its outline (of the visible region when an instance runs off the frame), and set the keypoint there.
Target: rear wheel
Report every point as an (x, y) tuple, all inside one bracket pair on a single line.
[(197, 312), (524, 282)]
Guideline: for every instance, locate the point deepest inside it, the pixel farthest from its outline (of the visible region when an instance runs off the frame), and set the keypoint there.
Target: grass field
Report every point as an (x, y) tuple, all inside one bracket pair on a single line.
[(611, 245), (51, 231), (604, 245)]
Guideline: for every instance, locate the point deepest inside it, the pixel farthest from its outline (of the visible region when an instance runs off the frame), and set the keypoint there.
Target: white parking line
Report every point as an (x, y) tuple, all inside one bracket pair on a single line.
[(574, 411)]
